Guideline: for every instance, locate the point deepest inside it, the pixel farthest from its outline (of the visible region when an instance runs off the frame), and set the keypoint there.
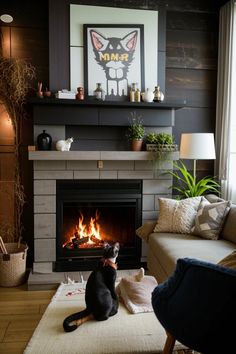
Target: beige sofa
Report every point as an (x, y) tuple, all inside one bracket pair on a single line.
[(165, 248)]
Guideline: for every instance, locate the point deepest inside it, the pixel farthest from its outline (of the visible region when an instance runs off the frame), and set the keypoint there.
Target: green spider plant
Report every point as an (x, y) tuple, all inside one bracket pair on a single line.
[(188, 186)]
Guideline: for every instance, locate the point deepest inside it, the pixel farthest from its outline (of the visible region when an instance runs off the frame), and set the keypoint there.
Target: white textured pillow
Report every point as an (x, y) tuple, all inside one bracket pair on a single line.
[(177, 215)]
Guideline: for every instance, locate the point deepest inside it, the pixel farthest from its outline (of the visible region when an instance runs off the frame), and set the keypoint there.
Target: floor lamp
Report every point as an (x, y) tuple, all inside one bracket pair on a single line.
[(197, 146)]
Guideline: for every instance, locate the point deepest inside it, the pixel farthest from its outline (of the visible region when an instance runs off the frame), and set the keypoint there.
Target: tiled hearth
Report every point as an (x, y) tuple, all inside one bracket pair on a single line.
[(52, 166)]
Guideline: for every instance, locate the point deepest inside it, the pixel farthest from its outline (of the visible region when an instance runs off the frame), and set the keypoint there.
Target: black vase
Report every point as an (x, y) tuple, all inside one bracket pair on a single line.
[(44, 141)]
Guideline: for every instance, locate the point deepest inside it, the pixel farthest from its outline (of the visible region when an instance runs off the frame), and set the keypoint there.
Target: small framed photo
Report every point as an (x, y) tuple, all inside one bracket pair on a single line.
[(113, 57)]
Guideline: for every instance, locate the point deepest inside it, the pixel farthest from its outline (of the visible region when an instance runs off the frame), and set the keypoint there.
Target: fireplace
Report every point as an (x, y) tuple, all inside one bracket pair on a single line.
[(93, 212)]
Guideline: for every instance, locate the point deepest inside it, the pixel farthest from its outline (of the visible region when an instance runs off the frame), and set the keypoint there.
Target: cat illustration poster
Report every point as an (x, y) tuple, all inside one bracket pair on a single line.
[(113, 57)]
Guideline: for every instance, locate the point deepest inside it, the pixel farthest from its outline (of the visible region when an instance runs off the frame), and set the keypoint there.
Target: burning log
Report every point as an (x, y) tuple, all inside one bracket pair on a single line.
[(96, 240), (79, 241)]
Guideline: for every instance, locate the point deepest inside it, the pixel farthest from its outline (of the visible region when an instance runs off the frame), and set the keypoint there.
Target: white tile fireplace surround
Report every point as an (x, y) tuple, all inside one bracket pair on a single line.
[(50, 166)]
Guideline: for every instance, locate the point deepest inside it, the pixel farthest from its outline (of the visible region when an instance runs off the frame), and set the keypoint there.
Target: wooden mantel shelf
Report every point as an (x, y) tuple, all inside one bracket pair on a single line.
[(96, 155)]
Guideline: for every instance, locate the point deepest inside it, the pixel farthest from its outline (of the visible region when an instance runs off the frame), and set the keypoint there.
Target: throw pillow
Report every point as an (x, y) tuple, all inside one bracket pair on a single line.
[(177, 215), (229, 261), (210, 219), (145, 230), (135, 292)]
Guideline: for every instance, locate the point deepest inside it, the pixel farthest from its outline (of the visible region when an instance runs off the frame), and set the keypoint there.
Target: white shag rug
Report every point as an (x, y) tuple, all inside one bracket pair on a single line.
[(123, 333)]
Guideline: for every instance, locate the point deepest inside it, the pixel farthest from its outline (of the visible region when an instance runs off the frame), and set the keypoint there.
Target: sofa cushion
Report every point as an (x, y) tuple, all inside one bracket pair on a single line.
[(210, 219), (168, 247), (177, 215), (229, 261), (229, 228)]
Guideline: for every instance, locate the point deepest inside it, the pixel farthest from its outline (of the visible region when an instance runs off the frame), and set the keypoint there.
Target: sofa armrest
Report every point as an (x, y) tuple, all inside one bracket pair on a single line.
[(145, 230)]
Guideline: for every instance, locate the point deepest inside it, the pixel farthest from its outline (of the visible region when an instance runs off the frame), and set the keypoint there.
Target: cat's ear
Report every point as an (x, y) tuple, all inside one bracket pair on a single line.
[(129, 41), (98, 41), (117, 245), (106, 245)]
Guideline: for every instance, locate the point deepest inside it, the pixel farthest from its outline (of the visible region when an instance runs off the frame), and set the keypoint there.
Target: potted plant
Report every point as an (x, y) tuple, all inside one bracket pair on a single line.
[(188, 186), (136, 132), (163, 142)]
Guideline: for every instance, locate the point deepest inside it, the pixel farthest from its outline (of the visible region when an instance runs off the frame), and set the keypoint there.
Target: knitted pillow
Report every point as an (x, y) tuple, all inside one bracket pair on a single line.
[(177, 215), (210, 219)]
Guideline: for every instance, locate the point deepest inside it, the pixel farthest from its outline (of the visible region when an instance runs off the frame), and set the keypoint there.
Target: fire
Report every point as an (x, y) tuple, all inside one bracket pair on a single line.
[(85, 235)]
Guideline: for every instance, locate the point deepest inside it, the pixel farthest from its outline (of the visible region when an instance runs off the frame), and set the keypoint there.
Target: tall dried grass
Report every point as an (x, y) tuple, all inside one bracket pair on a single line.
[(15, 78)]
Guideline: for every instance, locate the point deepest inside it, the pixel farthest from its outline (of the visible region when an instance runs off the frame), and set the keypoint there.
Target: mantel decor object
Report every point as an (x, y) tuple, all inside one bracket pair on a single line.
[(162, 147), (64, 145), (44, 141), (162, 142), (158, 95), (147, 96)]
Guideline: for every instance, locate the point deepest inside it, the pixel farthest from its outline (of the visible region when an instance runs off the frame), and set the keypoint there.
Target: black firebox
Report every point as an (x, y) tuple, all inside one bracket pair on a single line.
[(91, 213)]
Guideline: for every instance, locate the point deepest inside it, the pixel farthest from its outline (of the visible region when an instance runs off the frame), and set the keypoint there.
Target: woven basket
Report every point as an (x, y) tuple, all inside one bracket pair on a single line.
[(13, 265)]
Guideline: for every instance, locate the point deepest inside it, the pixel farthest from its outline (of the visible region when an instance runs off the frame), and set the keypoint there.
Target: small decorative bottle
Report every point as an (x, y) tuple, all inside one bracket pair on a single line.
[(158, 95), (132, 92), (44, 141), (99, 93), (80, 93), (137, 95)]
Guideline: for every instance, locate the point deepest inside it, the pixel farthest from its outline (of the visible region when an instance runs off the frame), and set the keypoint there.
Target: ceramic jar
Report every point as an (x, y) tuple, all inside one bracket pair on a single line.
[(158, 95), (80, 94), (44, 141), (147, 96)]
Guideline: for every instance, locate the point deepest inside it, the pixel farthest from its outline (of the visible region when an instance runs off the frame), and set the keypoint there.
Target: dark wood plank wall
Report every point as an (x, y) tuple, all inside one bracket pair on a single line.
[(191, 67)]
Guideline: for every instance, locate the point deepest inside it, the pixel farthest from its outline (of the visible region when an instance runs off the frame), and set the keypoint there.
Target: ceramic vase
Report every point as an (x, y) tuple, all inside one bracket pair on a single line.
[(44, 141)]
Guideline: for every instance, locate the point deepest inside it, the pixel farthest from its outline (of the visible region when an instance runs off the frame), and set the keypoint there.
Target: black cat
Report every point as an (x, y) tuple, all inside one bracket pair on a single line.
[(100, 295)]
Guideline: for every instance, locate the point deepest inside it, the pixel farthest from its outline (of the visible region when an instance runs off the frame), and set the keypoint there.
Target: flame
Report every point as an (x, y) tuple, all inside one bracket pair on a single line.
[(83, 230)]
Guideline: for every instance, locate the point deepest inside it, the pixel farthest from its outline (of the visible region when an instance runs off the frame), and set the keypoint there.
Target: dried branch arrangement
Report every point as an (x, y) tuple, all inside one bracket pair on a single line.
[(15, 78)]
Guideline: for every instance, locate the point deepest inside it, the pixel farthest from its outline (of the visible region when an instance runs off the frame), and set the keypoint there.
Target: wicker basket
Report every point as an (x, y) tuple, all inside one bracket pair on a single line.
[(13, 265)]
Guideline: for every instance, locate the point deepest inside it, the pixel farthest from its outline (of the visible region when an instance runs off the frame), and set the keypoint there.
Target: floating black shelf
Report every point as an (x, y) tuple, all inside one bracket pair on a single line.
[(56, 111), (96, 103)]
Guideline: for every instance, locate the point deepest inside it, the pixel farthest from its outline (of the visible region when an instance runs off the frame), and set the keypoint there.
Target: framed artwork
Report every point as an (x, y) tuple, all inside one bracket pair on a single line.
[(113, 57)]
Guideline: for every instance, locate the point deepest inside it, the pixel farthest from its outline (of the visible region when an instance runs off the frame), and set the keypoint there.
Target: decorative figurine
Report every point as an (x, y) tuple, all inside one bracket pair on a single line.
[(64, 145), (40, 92)]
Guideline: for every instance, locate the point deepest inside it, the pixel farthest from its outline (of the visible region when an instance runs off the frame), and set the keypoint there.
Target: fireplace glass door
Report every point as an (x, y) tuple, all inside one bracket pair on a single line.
[(93, 213)]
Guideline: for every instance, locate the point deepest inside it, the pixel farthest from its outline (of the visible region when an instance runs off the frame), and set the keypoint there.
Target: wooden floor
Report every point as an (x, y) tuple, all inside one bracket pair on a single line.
[(20, 312)]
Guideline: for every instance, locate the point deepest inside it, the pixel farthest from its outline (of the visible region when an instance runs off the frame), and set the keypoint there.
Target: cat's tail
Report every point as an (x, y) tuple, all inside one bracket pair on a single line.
[(73, 321)]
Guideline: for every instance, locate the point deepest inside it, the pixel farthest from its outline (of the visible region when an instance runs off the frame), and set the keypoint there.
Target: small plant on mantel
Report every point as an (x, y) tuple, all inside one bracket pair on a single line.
[(136, 132), (163, 146), (15, 76), (160, 142)]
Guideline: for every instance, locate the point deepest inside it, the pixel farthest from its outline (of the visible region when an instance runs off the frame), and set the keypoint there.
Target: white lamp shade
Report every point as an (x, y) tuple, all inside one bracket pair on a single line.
[(197, 146)]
